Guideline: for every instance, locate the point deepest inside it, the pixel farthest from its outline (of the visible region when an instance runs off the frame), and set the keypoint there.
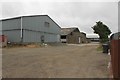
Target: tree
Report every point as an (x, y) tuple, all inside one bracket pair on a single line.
[(102, 30)]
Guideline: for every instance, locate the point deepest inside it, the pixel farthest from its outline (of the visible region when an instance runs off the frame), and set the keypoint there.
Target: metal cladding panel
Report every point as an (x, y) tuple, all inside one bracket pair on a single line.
[(13, 35), (53, 28), (31, 36), (119, 16), (38, 23), (49, 38), (32, 23), (52, 38), (0, 27), (11, 24)]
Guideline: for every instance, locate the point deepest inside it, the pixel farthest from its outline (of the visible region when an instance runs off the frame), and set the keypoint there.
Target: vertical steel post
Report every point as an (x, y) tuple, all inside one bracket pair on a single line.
[(21, 30)]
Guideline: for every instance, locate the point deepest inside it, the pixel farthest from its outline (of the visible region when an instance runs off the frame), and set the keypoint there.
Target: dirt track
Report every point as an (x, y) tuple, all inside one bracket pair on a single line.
[(72, 61)]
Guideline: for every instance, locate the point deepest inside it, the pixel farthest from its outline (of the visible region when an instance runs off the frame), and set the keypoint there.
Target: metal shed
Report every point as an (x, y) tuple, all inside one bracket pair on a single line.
[(28, 29)]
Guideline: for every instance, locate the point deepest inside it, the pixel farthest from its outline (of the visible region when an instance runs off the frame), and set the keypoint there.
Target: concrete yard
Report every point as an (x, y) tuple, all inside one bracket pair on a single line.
[(66, 61)]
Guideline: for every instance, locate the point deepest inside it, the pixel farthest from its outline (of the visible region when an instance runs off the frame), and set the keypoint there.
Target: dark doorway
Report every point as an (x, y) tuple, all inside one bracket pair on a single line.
[(42, 38)]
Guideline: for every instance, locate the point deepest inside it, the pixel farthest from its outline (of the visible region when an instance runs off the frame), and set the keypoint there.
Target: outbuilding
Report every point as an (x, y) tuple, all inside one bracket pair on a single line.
[(72, 35), (31, 29), (92, 38)]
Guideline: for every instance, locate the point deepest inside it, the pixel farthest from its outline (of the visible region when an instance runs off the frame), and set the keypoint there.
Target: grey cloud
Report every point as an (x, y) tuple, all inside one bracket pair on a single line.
[(66, 14), (11, 9), (85, 15)]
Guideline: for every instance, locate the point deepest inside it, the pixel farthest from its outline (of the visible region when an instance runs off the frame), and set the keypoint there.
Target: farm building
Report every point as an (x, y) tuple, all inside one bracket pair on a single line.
[(92, 38), (72, 35), (28, 29)]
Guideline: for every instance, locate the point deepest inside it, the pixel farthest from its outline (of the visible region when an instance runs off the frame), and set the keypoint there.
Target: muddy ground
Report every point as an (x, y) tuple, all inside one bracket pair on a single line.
[(66, 61)]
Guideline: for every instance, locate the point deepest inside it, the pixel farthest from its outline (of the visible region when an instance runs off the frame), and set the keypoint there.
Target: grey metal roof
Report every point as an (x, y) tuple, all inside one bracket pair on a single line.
[(21, 16), (29, 16), (115, 36), (66, 31)]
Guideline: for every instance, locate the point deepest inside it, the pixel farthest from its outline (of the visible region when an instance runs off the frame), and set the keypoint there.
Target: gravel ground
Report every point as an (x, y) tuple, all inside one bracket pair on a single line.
[(70, 61)]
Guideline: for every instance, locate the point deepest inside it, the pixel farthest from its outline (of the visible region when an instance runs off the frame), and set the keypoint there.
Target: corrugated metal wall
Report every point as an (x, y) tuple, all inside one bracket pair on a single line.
[(11, 29), (0, 27), (34, 28), (11, 24), (35, 36), (51, 38), (37, 23), (118, 16), (13, 35), (31, 36)]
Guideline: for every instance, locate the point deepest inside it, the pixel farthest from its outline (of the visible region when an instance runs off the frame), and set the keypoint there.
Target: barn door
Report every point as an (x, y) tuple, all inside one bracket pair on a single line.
[(42, 39)]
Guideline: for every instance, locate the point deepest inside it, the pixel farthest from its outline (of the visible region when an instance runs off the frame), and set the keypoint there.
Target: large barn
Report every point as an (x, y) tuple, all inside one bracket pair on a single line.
[(28, 29)]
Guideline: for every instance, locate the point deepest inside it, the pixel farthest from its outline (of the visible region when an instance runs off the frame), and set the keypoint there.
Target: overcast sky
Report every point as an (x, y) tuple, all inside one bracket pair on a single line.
[(68, 13)]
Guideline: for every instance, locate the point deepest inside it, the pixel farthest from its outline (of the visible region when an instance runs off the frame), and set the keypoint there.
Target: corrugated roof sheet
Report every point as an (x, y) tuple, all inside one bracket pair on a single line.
[(115, 36), (29, 16), (66, 31)]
